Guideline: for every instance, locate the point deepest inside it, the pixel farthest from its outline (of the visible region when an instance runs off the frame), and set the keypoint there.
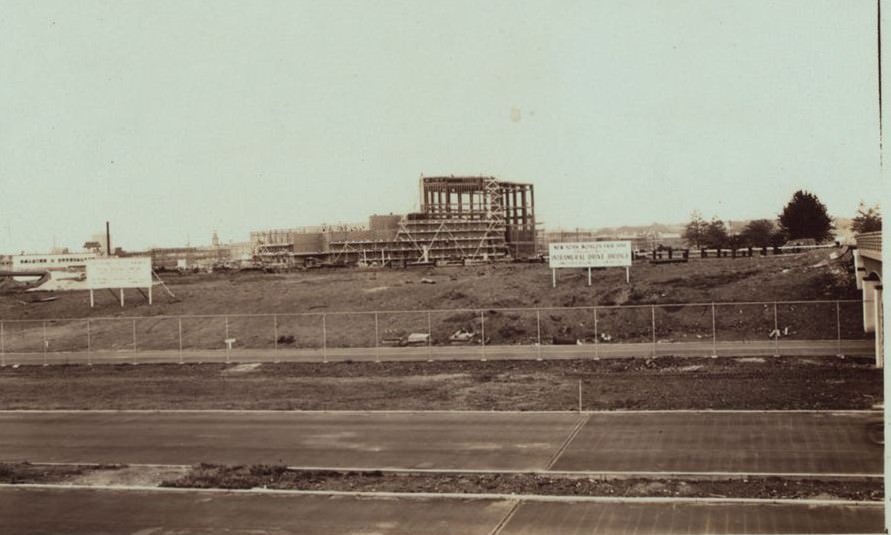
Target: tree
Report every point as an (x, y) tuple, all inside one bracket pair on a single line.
[(867, 219), (694, 232), (758, 233), (715, 234), (806, 217), (736, 241)]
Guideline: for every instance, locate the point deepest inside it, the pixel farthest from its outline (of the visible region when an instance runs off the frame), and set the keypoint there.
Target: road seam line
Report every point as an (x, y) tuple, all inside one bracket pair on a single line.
[(459, 496), (583, 419), (510, 514)]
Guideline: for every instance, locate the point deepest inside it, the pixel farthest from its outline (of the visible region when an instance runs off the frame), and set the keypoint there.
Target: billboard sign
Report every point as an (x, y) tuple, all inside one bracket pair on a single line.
[(132, 272), (589, 254)]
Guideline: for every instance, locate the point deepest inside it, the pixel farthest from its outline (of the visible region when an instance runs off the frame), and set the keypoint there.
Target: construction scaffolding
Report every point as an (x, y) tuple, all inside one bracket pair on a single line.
[(461, 220)]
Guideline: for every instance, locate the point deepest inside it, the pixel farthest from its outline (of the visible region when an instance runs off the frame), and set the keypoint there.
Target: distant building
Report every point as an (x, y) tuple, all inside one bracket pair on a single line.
[(171, 258), (94, 247), (51, 262), (461, 219)]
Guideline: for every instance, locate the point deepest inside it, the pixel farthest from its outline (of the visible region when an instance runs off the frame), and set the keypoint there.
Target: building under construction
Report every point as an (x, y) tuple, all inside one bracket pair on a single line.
[(462, 219)]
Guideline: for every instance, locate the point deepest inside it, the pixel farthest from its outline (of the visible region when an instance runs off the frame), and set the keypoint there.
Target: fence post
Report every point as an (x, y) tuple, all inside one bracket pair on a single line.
[(275, 332), (226, 340), (377, 338), (653, 326), (429, 336), (180, 322), (2, 346), (89, 345), (134, 335), (538, 329), (838, 329), (324, 337), (483, 332), (45, 343), (580, 395), (714, 333), (596, 336), (776, 329)]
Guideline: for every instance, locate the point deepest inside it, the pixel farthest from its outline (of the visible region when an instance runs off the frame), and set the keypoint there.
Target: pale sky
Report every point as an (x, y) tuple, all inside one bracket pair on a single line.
[(175, 118)]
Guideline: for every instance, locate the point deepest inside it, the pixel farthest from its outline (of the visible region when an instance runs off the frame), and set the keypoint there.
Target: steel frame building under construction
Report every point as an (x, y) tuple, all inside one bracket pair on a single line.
[(462, 219)]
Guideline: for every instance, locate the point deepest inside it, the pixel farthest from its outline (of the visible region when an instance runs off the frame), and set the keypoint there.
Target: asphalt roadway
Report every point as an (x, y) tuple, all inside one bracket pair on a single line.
[(733, 442), (38, 511), (810, 348)]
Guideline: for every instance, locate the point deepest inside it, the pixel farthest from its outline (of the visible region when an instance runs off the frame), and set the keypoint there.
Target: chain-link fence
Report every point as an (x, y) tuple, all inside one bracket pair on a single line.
[(698, 329)]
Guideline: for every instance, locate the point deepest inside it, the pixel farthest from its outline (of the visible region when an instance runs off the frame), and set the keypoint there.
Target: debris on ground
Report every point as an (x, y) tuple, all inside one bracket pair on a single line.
[(461, 336)]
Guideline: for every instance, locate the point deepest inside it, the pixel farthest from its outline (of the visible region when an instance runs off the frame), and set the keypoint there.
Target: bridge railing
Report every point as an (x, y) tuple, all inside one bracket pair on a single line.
[(737, 328), (870, 241)]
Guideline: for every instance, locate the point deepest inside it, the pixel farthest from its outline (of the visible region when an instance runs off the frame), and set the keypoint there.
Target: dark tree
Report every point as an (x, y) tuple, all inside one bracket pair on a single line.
[(715, 234), (778, 238), (867, 219), (758, 233), (694, 232), (806, 217), (736, 241)]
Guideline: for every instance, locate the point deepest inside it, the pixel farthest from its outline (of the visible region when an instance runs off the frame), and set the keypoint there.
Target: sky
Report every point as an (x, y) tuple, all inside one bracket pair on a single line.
[(173, 119)]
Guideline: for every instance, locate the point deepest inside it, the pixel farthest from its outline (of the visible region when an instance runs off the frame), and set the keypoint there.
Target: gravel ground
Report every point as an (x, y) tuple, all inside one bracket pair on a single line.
[(278, 477)]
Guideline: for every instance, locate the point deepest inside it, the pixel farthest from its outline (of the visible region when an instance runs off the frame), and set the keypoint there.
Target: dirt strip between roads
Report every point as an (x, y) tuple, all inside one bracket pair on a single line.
[(208, 476), (663, 383)]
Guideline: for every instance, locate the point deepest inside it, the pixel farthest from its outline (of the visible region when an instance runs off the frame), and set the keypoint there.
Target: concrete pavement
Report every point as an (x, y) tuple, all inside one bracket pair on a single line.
[(32, 511), (684, 441)]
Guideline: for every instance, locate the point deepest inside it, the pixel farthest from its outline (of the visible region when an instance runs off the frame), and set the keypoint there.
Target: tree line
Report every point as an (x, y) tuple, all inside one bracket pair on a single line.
[(803, 217)]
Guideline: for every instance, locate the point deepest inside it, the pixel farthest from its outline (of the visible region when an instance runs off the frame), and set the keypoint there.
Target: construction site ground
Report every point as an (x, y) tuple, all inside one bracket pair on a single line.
[(663, 383), (260, 311), (805, 276)]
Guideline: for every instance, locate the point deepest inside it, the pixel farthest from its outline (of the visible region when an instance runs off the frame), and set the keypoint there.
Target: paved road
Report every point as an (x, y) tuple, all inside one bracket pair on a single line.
[(92, 512), (688, 349), (738, 442), (669, 519)]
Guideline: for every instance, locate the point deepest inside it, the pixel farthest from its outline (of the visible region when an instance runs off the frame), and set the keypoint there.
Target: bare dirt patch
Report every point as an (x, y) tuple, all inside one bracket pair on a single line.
[(19, 473), (144, 476)]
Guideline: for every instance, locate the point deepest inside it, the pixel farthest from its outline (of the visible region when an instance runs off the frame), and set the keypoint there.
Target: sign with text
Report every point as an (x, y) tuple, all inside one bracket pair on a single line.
[(133, 272), (590, 254)]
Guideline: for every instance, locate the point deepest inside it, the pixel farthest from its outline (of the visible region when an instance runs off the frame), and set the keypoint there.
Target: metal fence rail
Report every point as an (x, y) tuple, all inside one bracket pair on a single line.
[(722, 328)]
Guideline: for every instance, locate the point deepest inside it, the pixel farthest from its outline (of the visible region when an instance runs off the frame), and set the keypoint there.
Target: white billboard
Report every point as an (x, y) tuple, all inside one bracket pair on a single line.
[(132, 272), (590, 254)]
